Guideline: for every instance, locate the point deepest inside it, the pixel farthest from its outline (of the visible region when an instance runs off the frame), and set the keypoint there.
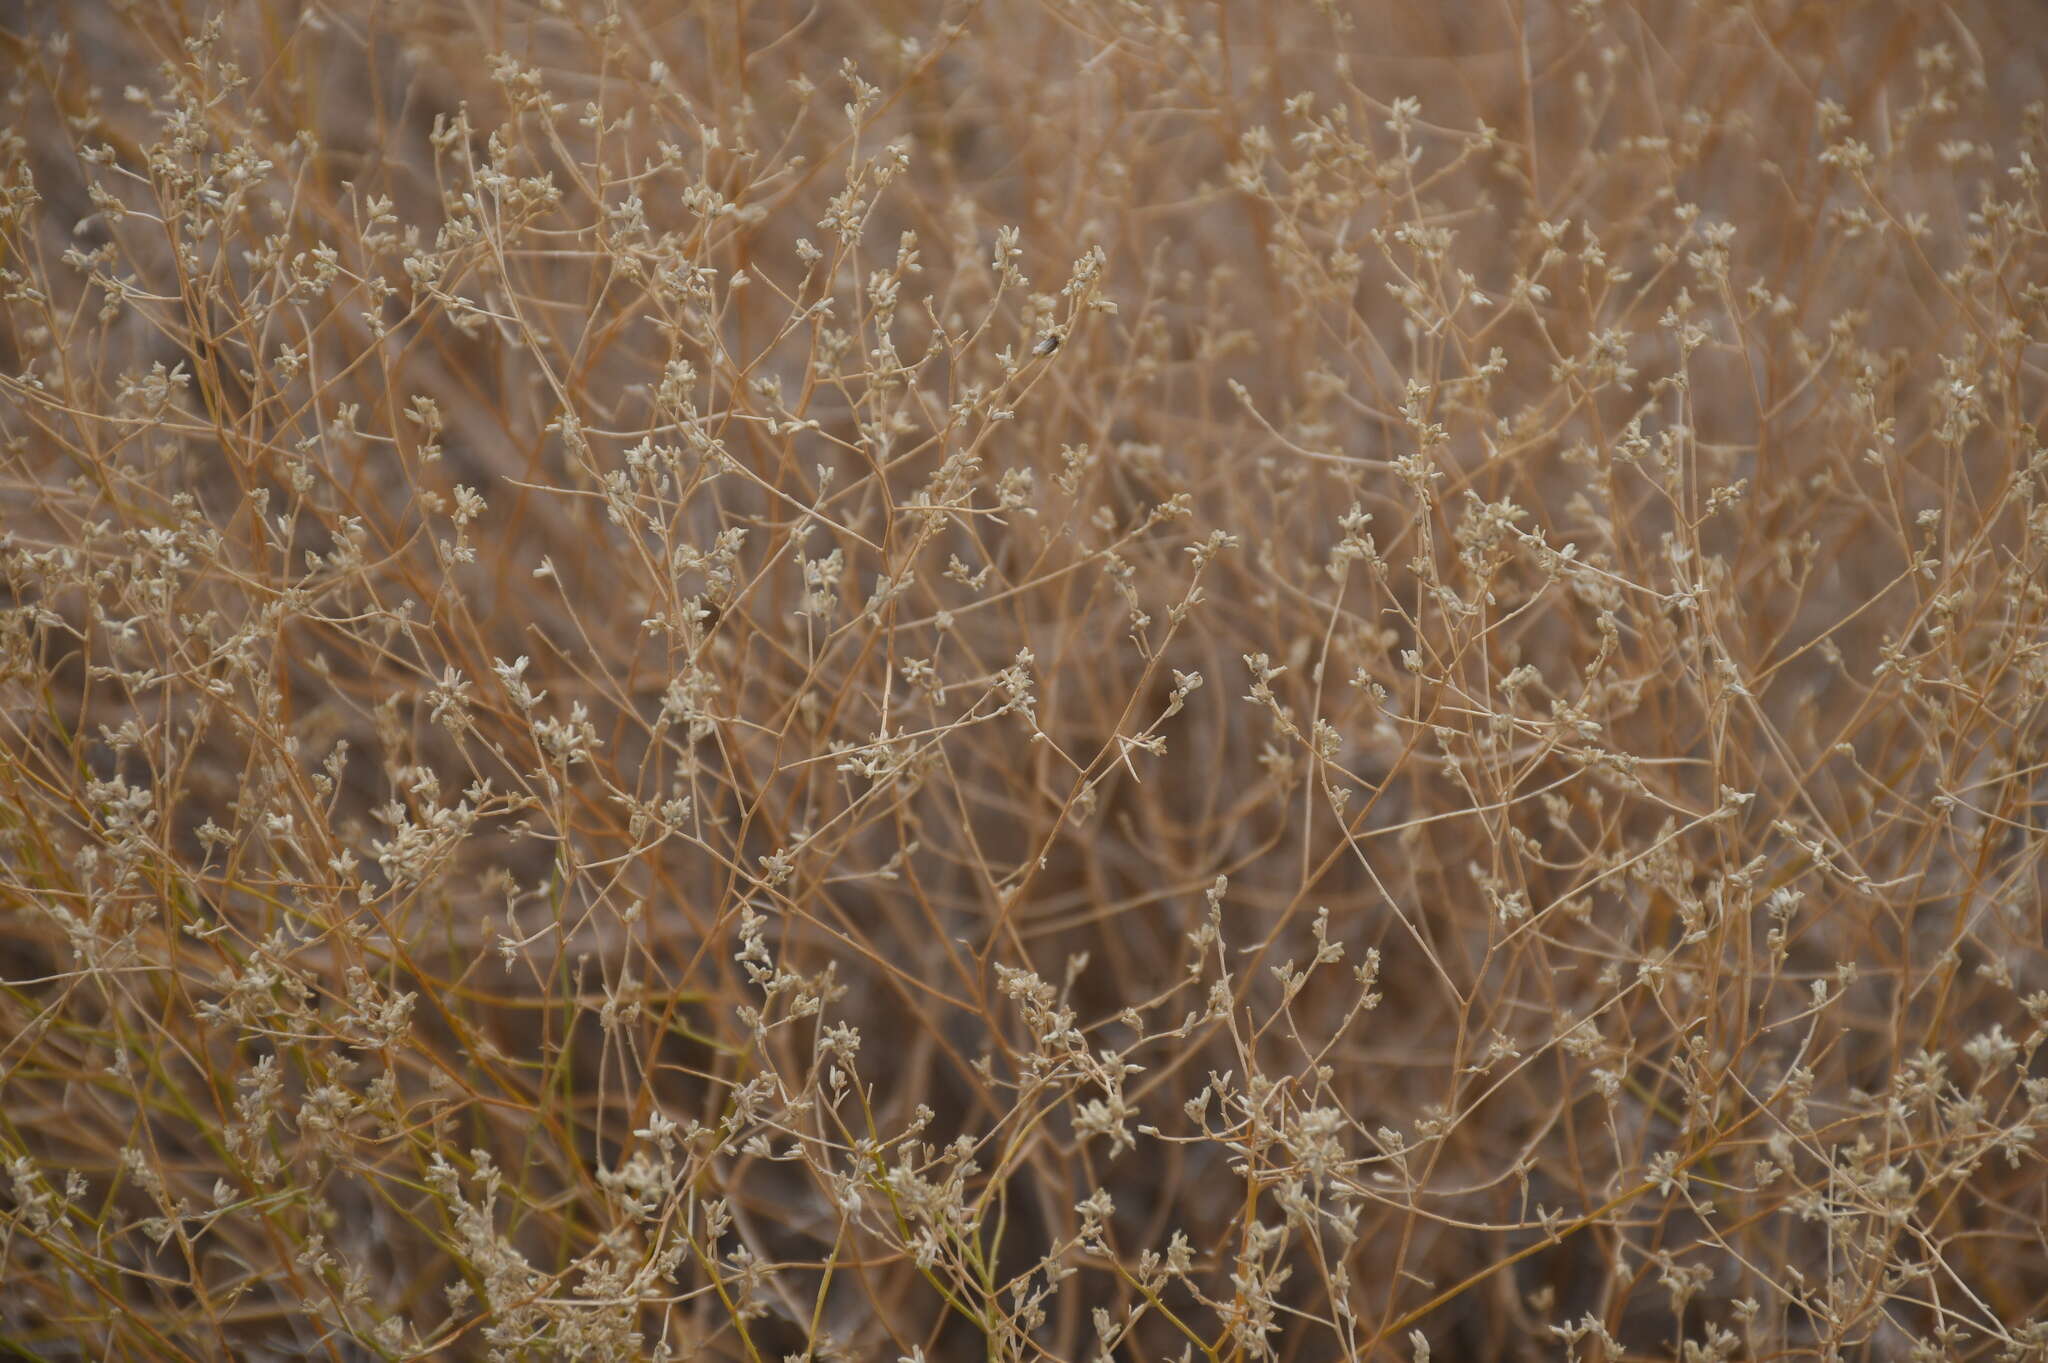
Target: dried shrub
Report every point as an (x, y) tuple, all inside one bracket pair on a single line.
[(1117, 679)]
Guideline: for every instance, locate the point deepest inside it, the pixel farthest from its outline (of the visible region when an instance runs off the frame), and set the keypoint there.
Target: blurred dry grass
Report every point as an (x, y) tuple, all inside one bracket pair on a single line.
[(1234, 681)]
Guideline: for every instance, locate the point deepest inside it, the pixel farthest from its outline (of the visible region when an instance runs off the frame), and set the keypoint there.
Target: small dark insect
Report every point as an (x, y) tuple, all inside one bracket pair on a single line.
[(1047, 344)]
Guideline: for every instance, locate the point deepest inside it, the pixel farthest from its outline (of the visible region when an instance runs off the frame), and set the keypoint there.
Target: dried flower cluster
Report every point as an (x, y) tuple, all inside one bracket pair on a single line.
[(1245, 681)]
